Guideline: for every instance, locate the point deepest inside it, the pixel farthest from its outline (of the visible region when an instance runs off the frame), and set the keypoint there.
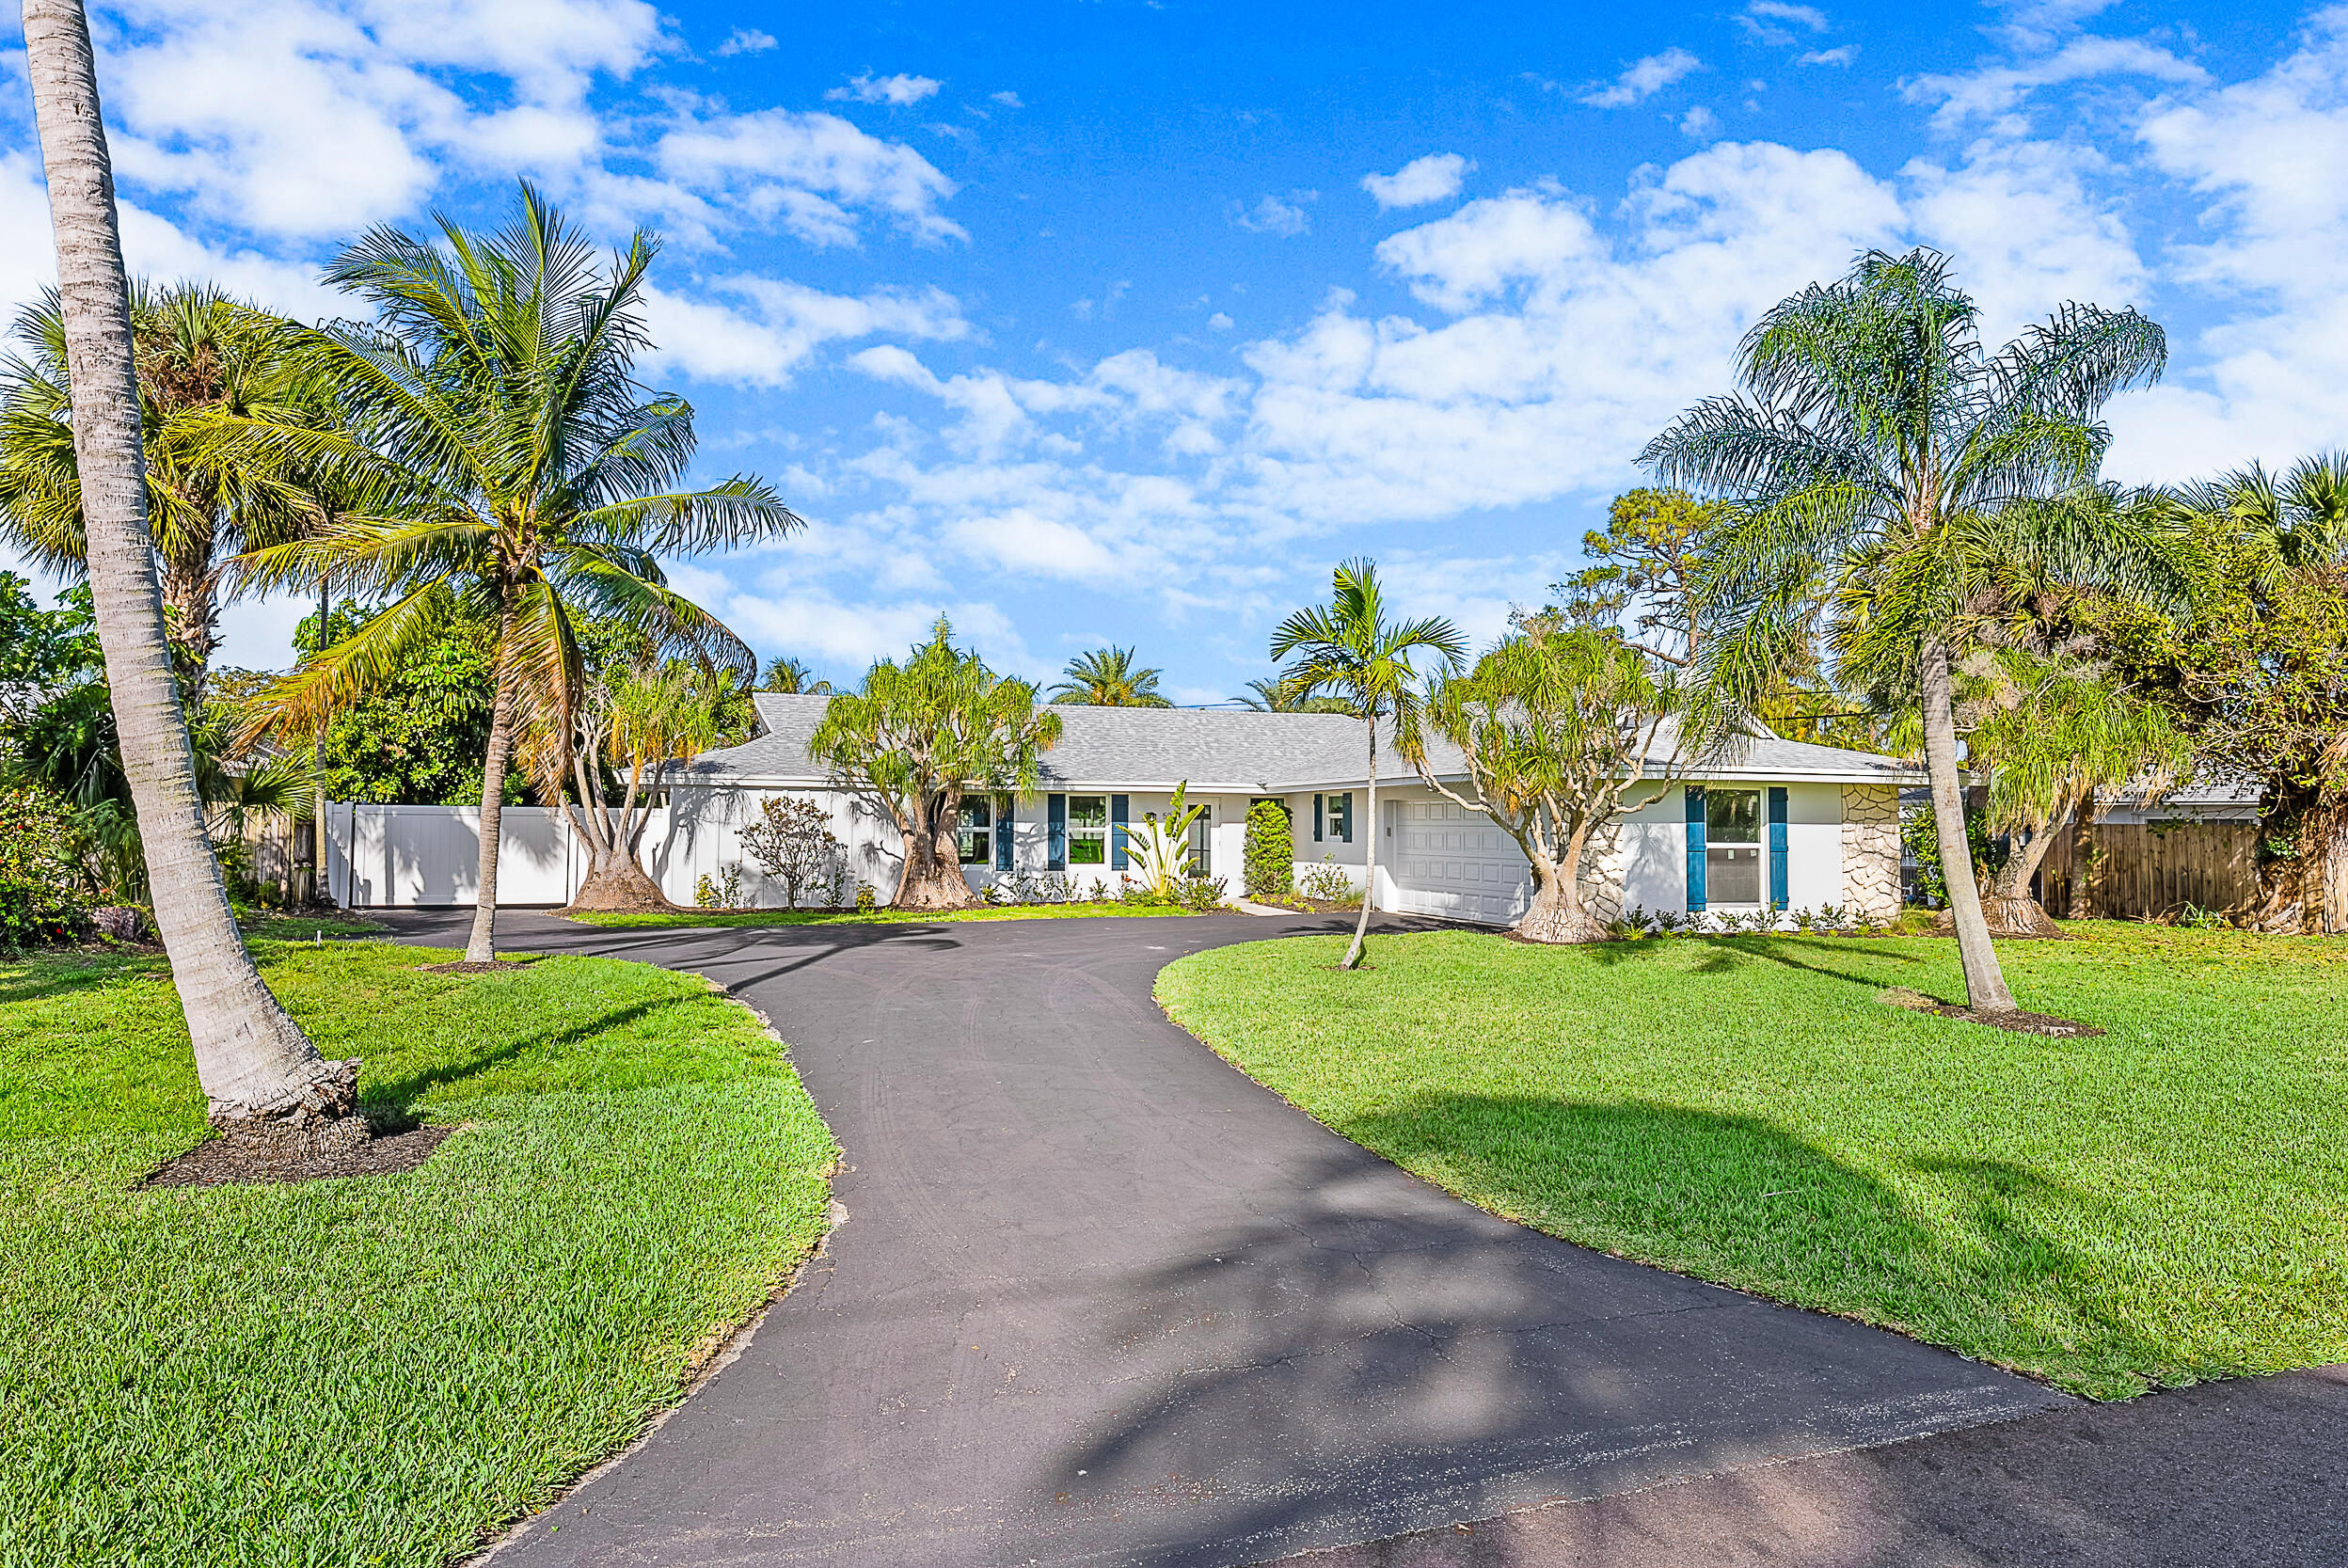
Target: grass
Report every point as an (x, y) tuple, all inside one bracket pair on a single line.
[(373, 1370), (657, 919), (2164, 1203)]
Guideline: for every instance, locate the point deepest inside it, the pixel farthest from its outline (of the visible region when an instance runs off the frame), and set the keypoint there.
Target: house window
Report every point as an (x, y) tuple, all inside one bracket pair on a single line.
[(1202, 843), (1087, 829), (1732, 845), (1342, 818), (978, 830)]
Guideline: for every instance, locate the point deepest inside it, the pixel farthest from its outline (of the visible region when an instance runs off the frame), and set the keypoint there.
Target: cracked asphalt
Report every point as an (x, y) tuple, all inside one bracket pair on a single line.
[(1098, 1298)]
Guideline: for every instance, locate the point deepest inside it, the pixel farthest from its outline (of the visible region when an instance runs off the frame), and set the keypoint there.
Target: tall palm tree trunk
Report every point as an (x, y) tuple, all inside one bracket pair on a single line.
[(1985, 982), (1355, 954), (481, 947), (319, 890), (251, 1059)]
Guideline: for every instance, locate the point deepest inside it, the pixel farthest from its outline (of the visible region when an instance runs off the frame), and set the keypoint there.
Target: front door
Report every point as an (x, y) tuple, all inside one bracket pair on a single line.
[(1202, 843)]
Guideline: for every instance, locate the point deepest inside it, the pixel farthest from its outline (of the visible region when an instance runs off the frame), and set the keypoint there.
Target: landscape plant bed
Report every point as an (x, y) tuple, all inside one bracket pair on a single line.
[(1302, 905), (2152, 1205), (643, 920), (374, 1368)]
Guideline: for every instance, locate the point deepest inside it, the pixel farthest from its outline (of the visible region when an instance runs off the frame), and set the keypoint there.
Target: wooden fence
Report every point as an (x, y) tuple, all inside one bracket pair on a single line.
[(2142, 873)]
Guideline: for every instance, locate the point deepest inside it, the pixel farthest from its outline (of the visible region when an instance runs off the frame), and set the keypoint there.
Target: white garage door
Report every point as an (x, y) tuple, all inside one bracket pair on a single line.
[(1451, 862)]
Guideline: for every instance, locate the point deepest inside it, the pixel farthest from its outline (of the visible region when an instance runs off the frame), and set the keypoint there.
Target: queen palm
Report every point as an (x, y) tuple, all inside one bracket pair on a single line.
[(526, 477), (1108, 678), (1881, 464), (252, 1061), (1347, 649)]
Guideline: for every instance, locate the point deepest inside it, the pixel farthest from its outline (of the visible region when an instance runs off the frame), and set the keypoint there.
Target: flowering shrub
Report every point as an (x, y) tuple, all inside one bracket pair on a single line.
[(41, 899)]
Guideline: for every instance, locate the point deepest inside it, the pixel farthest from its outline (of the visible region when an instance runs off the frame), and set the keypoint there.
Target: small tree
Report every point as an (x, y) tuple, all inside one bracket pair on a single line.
[(1556, 733), (1347, 648), (793, 843), (922, 734), (1271, 851), (637, 725)]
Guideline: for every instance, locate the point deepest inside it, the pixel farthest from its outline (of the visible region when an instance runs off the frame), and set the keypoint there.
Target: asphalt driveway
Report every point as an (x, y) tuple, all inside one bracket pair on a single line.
[(1098, 1298)]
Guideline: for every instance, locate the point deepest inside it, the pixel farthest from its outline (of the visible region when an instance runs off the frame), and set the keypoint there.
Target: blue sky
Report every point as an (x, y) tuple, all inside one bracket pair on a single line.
[(1088, 320)]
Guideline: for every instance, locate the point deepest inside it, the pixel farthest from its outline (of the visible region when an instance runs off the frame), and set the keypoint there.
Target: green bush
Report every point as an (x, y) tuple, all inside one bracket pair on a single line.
[(41, 900), (1271, 851)]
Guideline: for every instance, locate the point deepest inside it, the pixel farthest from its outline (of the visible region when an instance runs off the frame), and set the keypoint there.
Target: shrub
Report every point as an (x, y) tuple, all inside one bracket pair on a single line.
[(1328, 883), (1201, 894), (1271, 851), (723, 893), (40, 898), (793, 843), (865, 900)]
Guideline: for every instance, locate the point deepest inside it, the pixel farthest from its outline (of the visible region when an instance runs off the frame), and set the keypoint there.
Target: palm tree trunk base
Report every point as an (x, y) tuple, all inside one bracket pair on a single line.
[(942, 888), (327, 1094)]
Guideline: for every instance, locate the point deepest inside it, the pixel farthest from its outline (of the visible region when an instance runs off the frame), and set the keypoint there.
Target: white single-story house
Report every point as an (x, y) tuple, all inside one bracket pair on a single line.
[(1784, 823)]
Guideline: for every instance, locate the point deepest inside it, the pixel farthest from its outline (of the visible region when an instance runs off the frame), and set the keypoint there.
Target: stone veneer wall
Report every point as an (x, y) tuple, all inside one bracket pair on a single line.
[(1604, 860), (1871, 851)]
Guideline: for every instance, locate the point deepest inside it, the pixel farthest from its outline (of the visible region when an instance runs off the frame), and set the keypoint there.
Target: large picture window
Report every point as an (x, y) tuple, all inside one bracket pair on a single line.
[(1087, 829), (1732, 845), (978, 830)]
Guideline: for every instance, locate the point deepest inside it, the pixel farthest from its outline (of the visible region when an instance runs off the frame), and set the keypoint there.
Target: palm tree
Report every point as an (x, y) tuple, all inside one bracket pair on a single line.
[(527, 475), (252, 1061), (1881, 464), (1105, 677), (200, 356), (792, 679), (1346, 649), (1266, 696)]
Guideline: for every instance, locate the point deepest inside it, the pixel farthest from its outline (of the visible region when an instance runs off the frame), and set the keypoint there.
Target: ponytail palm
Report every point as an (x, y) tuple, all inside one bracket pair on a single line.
[(1347, 649), (522, 474), (1881, 463)]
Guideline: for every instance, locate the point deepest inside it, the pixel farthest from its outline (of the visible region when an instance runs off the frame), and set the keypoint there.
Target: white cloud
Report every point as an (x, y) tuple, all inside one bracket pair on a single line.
[(1841, 55), (1996, 89), (897, 91), (747, 41), (756, 331), (1008, 98), (1770, 21), (1271, 215), (1436, 177), (1700, 123), (808, 171), (1642, 79)]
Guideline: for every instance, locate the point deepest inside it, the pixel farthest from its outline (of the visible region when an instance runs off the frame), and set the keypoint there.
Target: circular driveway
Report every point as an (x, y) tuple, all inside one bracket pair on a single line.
[(1100, 1298)]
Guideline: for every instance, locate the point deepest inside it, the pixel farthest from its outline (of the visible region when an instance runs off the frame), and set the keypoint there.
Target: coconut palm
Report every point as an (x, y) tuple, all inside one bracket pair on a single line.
[(792, 678), (526, 477), (201, 356), (1106, 677), (1347, 649), (1267, 696), (251, 1059), (1880, 462)]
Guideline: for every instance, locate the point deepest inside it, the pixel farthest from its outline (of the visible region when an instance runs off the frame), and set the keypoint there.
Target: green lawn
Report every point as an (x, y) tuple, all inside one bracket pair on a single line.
[(2164, 1203), (373, 1370), (696, 918)]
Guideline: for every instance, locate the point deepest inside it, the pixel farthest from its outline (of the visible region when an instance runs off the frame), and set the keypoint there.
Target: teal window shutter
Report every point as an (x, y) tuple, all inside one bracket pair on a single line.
[(1120, 811), (1777, 847), (1055, 828), (1695, 849), (1003, 832), (1344, 817), (1316, 819)]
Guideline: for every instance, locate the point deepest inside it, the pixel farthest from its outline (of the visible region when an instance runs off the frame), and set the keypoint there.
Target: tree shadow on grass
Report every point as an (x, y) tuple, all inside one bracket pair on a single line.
[(1365, 1349), (390, 1104), (1726, 955)]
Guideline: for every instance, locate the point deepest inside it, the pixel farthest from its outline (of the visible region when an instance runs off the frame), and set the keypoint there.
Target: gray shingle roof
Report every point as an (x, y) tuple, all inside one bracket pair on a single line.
[(1221, 750)]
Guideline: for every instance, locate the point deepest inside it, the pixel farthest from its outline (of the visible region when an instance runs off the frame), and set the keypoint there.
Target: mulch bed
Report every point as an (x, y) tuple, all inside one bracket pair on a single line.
[(467, 966), (230, 1159)]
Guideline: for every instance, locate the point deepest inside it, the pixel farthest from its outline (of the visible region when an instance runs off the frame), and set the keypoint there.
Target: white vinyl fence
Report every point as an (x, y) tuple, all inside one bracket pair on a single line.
[(407, 857), (423, 857)]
